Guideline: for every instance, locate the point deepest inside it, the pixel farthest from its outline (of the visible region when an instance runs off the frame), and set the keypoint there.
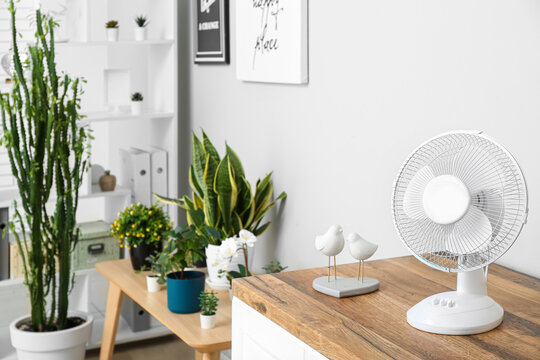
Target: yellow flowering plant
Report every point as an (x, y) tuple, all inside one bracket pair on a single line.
[(139, 224)]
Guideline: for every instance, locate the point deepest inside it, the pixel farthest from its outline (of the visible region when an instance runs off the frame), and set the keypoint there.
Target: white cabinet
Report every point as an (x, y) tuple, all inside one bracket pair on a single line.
[(256, 337)]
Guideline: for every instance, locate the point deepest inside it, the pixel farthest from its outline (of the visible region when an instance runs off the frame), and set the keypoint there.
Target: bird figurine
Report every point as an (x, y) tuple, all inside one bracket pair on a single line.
[(331, 244), (360, 249)]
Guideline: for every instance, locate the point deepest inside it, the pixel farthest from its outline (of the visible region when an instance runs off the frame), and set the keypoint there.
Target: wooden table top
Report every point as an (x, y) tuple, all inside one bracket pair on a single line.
[(185, 326), (374, 326)]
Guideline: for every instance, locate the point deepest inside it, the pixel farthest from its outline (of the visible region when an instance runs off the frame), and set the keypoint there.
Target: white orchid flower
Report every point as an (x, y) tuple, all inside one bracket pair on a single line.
[(228, 248), (247, 237)]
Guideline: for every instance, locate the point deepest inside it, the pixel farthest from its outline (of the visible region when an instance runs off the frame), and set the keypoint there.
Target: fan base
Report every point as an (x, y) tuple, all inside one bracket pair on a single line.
[(453, 313)]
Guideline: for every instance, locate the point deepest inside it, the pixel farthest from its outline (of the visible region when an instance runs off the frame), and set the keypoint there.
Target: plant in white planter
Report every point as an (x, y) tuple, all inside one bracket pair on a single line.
[(209, 303), (112, 28), (48, 154), (158, 276), (140, 31), (225, 199), (137, 103)]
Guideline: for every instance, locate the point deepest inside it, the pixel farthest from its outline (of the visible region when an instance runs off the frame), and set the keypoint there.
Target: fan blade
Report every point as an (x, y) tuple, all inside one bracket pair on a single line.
[(471, 234), (490, 202), (412, 199)]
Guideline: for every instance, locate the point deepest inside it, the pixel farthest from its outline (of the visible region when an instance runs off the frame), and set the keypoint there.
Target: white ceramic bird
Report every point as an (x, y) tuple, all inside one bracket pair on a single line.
[(331, 244), (360, 249)]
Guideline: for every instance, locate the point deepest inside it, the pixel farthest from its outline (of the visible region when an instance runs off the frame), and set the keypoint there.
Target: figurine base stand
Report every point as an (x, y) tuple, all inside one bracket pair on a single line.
[(345, 287)]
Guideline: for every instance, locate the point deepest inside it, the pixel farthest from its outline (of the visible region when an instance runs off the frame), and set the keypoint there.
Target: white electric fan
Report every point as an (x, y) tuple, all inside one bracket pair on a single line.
[(459, 203)]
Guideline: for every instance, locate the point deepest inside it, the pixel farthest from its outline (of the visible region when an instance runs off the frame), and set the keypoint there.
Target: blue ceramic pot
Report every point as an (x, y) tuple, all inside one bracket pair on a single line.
[(183, 295)]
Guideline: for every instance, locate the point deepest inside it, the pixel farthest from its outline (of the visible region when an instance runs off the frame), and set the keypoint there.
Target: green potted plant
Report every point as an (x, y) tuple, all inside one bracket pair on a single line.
[(48, 155), (274, 267), (209, 303), (112, 28), (137, 103), (183, 286), (227, 201), (140, 30), (142, 230), (157, 277)]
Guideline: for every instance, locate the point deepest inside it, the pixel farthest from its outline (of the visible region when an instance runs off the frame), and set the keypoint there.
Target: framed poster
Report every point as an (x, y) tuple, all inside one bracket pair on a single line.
[(271, 41), (211, 32)]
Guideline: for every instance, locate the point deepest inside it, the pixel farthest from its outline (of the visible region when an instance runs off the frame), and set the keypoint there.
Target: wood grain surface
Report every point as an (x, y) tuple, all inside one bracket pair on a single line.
[(185, 326), (374, 326)]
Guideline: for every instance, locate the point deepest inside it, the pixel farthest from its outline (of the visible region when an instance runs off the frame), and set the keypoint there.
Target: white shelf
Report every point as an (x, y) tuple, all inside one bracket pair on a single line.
[(116, 43), (97, 193), (123, 116)]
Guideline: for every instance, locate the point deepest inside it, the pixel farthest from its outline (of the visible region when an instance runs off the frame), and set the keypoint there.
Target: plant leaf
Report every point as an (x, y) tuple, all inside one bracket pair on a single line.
[(209, 148), (261, 229), (166, 200), (236, 163), (194, 183), (224, 189), (210, 200), (198, 163)]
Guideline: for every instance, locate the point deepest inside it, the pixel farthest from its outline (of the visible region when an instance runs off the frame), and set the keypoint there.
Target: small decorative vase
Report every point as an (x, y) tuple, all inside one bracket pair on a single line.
[(140, 33), (107, 182), (112, 34), (152, 283), (136, 107), (183, 294), (208, 321), (139, 254)]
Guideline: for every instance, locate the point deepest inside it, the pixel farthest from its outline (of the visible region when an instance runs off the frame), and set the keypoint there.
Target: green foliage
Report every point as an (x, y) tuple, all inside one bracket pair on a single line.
[(158, 268), (209, 302), (139, 224), (274, 267), (112, 24), (141, 21), (184, 249), (137, 96), (222, 194), (48, 149), (238, 274)]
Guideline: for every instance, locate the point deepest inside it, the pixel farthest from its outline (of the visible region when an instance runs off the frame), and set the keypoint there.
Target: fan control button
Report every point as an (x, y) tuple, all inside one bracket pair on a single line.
[(436, 301), (444, 302), (451, 303)]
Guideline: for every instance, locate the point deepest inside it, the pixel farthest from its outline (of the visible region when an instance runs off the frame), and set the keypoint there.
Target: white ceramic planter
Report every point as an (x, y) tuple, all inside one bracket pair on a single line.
[(112, 34), (67, 344), (136, 107), (208, 321), (152, 283), (140, 33), (221, 283)]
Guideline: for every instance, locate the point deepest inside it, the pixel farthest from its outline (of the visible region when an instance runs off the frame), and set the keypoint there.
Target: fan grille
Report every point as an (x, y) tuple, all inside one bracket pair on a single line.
[(498, 191)]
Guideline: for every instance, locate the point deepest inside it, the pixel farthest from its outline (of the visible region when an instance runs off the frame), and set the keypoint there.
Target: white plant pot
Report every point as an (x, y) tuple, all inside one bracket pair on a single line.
[(112, 34), (152, 283), (140, 33), (136, 107), (208, 321), (214, 280), (67, 344)]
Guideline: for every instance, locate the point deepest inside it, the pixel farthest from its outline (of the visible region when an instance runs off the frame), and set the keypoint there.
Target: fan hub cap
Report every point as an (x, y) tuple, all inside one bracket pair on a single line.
[(446, 199)]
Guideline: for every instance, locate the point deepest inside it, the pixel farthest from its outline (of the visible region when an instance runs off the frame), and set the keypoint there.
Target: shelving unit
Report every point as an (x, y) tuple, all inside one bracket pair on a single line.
[(149, 67)]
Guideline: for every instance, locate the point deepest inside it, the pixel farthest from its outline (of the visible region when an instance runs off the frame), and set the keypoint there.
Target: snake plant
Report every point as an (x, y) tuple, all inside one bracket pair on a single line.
[(48, 152), (222, 197)]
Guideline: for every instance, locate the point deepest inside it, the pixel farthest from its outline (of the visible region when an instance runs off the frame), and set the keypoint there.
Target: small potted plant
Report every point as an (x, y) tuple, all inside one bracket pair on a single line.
[(141, 229), (136, 103), (209, 302), (183, 286), (140, 30), (112, 30), (157, 277)]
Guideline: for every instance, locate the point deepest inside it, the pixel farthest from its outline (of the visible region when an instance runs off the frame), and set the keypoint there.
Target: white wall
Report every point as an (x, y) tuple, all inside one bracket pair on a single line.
[(384, 76)]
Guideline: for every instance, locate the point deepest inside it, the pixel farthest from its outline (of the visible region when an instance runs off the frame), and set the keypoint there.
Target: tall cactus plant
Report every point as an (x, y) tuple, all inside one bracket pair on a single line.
[(48, 155)]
